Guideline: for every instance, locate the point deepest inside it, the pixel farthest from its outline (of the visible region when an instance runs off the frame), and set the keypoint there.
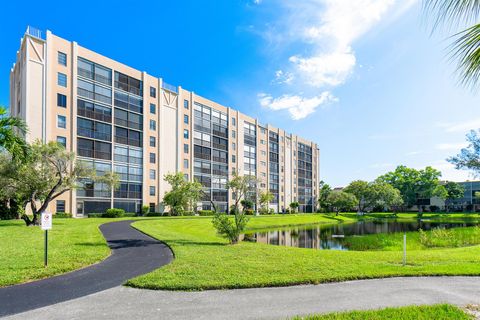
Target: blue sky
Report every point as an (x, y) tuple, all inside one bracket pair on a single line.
[(362, 78)]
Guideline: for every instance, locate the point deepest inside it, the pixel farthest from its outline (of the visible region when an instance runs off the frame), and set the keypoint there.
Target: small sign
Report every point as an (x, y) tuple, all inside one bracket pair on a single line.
[(46, 220)]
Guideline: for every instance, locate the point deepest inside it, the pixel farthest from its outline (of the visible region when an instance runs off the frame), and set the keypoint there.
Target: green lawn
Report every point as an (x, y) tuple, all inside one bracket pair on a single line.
[(73, 244), (437, 312), (206, 261)]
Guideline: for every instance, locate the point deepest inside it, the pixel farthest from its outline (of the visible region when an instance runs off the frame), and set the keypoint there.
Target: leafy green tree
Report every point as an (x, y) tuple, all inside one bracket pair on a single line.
[(466, 46), (414, 184), (294, 206), (324, 191), (241, 187), (469, 157), (183, 194), (387, 196), (265, 198), (454, 191), (11, 139), (342, 201), (47, 172), (363, 191)]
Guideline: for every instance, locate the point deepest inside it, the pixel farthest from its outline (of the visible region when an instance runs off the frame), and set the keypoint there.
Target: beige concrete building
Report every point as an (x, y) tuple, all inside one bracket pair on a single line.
[(116, 118)]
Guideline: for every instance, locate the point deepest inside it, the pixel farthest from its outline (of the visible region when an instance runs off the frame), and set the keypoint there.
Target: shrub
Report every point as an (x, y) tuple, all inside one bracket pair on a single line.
[(145, 210), (249, 212), (94, 215), (153, 214), (434, 208), (62, 215), (113, 213), (230, 228), (188, 213), (205, 213)]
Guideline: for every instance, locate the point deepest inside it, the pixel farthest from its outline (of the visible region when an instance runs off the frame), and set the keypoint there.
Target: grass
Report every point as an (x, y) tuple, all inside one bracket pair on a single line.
[(423, 240), (437, 312), (205, 260), (73, 244)]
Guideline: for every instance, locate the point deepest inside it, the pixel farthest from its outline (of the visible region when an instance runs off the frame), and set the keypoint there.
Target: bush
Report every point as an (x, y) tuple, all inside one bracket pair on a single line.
[(249, 212), (434, 208), (188, 213), (113, 213), (204, 213), (230, 228), (62, 215), (145, 210), (154, 214)]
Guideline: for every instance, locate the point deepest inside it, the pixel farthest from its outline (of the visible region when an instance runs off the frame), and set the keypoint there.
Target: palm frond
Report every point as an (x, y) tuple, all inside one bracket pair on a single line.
[(466, 48), (454, 12)]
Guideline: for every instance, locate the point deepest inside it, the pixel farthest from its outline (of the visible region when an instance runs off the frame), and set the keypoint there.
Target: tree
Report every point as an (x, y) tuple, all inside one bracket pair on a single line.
[(454, 191), (341, 201), (294, 206), (241, 187), (466, 46), (414, 184), (11, 140), (387, 196), (364, 193), (183, 194), (265, 198), (469, 157), (47, 172), (324, 191)]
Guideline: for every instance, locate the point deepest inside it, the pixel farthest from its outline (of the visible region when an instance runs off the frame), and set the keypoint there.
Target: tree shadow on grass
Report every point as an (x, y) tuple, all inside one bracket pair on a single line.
[(183, 242), (89, 244)]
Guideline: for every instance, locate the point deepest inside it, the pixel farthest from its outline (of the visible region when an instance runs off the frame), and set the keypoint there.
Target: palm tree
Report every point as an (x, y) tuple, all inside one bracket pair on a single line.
[(11, 139), (466, 45)]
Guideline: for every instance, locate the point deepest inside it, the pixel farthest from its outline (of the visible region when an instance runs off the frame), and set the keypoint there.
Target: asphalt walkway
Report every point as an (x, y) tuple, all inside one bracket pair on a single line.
[(133, 254), (263, 303)]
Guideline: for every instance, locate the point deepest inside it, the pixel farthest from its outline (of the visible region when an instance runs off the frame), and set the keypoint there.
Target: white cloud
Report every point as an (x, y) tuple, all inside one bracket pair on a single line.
[(473, 124), (450, 173), (298, 106), (451, 146), (283, 77), (326, 30)]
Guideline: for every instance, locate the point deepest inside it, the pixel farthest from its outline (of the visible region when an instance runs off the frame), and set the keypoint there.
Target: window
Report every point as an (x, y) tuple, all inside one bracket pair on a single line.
[(152, 157), (234, 146), (234, 123), (263, 163), (262, 141), (61, 121), (61, 100), (234, 134), (62, 58), (62, 140), (60, 206), (152, 190), (62, 79), (233, 158), (151, 207), (185, 133), (152, 174), (185, 119), (185, 148), (153, 125), (153, 141), (153, 92), (153, 108), (185, 177), (185, 163), (185, 104)]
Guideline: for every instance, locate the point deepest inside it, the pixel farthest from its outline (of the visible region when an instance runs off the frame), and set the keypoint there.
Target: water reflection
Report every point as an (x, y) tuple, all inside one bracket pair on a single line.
[(332, 236)]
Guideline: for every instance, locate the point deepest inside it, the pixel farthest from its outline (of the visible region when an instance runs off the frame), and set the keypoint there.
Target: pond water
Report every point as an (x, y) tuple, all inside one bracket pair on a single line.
[(332, 236)]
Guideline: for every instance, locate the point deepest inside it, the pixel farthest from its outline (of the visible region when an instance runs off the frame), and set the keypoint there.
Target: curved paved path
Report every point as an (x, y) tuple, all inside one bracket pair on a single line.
[(133, 254), (264, 303)]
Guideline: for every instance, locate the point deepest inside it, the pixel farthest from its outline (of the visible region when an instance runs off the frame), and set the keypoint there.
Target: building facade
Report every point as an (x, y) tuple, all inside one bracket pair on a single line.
[(119, 119)]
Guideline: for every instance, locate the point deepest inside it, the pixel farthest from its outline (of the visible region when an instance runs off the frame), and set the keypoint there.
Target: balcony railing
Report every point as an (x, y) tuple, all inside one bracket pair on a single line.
[(169, 87), (34, 32)]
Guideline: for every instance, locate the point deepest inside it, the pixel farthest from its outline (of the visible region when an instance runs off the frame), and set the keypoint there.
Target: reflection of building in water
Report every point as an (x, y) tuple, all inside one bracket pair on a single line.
[(301, 238)]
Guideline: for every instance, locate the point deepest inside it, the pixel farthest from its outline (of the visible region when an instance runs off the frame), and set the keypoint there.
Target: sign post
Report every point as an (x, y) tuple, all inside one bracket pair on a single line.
[(46, 225)]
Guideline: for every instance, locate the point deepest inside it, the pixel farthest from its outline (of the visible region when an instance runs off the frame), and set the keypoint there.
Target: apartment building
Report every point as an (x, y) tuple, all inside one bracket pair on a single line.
[(116, 118)]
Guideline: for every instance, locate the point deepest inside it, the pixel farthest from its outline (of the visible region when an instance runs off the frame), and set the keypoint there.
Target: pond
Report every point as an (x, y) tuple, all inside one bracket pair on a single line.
[(332, 237)]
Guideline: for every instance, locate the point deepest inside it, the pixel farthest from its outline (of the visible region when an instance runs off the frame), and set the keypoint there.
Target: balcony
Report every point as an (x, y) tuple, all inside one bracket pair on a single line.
[(169, 87), (34, 32)]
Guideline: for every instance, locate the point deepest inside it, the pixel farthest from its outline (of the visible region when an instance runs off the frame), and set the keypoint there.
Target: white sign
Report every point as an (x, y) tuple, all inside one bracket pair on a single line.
[(46, 220)]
